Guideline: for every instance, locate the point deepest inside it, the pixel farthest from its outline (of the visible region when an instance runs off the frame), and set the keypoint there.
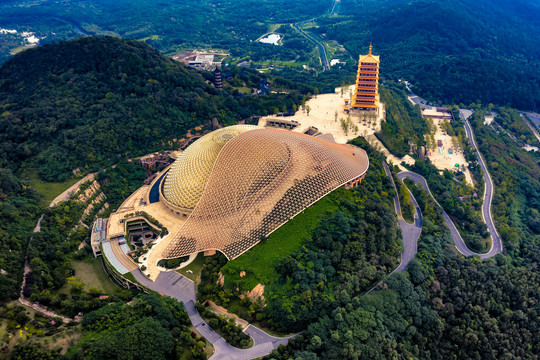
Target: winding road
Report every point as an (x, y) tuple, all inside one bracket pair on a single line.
[(409, 232), (172, 284), (496, 243), (458, 240)]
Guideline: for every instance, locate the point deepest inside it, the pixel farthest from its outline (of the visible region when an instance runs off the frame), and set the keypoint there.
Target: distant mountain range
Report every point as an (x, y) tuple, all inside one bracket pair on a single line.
[(453, 51)]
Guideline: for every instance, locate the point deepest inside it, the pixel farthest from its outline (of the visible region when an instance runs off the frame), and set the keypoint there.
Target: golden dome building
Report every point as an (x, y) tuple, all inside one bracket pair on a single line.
[(238, 184), (187, 177), (227, 191)]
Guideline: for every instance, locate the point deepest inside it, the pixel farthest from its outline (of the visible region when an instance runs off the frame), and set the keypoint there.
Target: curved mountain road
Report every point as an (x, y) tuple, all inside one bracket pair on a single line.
[(496, 243), (458, 240), (409, 232), (173, 284)]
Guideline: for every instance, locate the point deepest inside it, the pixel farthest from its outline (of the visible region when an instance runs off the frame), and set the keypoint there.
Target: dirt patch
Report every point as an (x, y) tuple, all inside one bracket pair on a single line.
[(446, 152)]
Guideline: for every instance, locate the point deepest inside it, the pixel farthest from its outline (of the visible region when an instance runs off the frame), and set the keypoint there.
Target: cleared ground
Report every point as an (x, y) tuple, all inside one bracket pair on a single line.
[(91, 273), (49, 190), (322, 115), (441, 157)]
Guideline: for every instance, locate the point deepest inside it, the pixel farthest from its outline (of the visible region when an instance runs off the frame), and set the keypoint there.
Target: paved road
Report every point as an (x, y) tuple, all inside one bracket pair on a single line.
[(409, 232), (535, 118), (333, 11), (322, 49), (458, 240), (172, 284), (496, 243)]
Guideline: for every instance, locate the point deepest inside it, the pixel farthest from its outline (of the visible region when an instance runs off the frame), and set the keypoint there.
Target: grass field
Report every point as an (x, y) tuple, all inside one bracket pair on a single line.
[(244, 90), (259, 262), (91, 273), (195, 267), (47, 190)]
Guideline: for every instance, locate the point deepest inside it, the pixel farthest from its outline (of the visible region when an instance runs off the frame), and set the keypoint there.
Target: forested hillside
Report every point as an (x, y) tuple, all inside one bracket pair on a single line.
[(18, 215), (454, 51), (404, 124), (444, 306), (88, 102)]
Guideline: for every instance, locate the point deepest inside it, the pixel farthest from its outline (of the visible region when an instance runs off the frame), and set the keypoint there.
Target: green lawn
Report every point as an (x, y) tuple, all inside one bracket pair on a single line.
[(91, 273), (259, 262), (48, 190), (195, 267), (244, 90)]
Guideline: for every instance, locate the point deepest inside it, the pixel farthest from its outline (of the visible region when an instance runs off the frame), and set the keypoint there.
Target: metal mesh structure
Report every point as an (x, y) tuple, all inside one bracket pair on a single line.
[(260, 180), (189, 174)]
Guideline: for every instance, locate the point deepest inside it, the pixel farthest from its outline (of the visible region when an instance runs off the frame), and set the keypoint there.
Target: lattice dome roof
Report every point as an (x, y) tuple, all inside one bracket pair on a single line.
[(260, 180), (187, 178)]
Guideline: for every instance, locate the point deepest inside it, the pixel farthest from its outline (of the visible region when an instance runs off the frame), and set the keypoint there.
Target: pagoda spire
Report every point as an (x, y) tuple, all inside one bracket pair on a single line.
[(370, 46)]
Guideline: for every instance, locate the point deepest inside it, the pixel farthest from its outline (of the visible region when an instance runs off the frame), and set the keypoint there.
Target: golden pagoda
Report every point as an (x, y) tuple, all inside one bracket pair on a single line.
[(366, 90)]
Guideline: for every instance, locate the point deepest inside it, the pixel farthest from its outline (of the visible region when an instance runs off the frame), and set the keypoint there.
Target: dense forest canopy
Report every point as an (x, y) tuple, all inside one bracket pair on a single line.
[(90, 101), (18, 213)]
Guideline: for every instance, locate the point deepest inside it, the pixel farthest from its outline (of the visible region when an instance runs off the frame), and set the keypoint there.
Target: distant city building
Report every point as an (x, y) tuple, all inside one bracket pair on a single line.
[(203, 60), (218, 82), (366, 91)]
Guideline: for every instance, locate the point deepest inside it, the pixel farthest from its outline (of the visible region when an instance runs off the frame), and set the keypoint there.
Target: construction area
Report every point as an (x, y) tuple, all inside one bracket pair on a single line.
[(207, 59)]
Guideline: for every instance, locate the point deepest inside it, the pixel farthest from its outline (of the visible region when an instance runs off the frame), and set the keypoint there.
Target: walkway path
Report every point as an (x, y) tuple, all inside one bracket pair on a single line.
[(409, 232), (183, 289), (66, 195), (23, 300)]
